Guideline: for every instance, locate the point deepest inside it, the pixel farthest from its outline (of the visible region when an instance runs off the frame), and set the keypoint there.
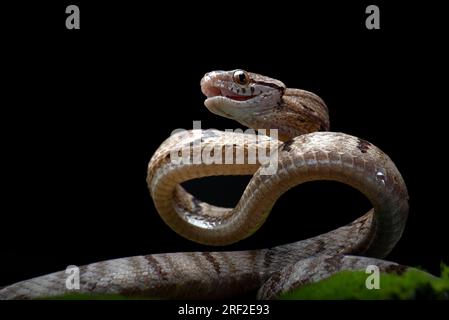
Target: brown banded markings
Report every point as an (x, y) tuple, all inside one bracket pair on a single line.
[(363, 145), (156, 266), (286, 146), (212, 260)]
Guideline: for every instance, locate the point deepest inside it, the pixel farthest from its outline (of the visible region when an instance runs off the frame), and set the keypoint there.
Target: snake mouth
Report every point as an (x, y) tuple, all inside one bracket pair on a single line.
[(211, 92)]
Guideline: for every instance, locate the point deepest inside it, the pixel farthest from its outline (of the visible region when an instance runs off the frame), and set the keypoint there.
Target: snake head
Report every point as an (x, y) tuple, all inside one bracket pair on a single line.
[(240, 95), (260, 102)]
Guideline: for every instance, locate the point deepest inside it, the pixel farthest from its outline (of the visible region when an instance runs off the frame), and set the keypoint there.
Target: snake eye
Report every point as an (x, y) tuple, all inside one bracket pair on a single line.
[(241, 77)]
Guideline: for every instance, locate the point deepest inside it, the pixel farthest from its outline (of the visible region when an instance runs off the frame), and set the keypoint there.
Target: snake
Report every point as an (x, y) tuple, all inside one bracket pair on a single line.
[(303, 149)]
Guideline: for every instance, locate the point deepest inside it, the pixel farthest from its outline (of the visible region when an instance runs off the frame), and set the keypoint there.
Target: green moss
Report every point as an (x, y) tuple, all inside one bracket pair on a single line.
[(350, 285)]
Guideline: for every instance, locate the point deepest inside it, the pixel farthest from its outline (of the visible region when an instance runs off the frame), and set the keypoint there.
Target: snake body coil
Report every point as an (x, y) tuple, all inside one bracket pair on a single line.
[(302, 155)]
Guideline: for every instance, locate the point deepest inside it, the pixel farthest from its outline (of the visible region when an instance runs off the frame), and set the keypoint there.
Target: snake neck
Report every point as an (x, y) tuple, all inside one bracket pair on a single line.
[(298, 112)]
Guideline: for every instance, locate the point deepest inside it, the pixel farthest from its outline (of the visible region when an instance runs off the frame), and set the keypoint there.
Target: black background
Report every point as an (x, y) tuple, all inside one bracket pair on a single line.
[(84, 110)]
